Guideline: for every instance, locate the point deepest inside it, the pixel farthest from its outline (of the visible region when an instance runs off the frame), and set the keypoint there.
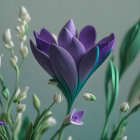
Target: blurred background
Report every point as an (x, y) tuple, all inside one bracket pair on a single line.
[(106, 16)]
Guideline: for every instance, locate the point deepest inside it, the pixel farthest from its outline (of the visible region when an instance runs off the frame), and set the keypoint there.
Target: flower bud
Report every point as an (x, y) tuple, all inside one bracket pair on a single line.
[(21, 95), (6, 92), (124, 107), (23, 51), (51, 121), (70, 138), (7, 38), (36, 102), (21, 108), (124, 138), (89, 97), (24, 16), (58, 98), (14, 61)]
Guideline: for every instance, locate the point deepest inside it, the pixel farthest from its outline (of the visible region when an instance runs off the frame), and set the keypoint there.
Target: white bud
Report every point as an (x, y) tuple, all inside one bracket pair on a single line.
[(51, 121), (7, 38), (24, 16), (23, 51), (23, 93), (21, 108), (89, 97), (124, 107), (69, 138), (0, 59), (58, 98), (17, 92), (14, 61), (124, 138)]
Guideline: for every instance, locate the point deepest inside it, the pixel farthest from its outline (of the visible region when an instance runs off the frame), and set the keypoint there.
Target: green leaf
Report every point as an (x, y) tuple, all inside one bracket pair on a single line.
[(129, 47), (25, 125), (134, 95), (112, 78)]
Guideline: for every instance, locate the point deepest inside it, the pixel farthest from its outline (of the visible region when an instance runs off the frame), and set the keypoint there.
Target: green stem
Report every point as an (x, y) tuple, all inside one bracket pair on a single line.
[(60, 132), (21, 63), (105, 130)]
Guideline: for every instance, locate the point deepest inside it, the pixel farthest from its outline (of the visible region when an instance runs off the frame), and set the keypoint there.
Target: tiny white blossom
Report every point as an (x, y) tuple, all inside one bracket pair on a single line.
[(14, 60), (58, 98), (124, 107), (124, 138), (7, 38), (89, 97), (24, 16), (21, 108), (23, 50), (51, 121)]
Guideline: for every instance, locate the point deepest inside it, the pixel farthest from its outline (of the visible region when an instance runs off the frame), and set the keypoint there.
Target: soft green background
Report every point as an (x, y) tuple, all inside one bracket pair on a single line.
[(107, 16)]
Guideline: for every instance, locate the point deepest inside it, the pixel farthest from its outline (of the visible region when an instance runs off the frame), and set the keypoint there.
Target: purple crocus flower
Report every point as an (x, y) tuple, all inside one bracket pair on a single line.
[(71, 59), (2, 123), (74, 117)]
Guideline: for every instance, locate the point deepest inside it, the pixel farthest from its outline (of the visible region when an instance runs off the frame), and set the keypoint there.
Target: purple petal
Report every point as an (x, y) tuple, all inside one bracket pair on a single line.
[(46, 36), (2, 123), (73, 112), (65, 38), (80, 114), (41, 44), (71, 27), (87, 63), (87, 37), (76, 49), (105, 46), (64, 67), (77, 122), (42, 59)]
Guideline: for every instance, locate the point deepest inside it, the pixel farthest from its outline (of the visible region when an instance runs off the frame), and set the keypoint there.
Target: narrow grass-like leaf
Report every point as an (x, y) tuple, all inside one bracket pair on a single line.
[(134, 95)]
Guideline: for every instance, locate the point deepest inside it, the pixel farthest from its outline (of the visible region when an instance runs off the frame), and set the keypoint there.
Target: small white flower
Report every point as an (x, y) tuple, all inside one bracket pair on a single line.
[(69, 138), (14, 61), (24, 16), (21, 108), (124, 138), (89, 97), (0, 59), (58, 98), (7, 38), (51, 121), (124, 107), (23, 50)]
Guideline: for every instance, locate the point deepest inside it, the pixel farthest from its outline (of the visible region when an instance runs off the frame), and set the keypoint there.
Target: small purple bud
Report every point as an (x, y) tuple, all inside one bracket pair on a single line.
[(2, 123)]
